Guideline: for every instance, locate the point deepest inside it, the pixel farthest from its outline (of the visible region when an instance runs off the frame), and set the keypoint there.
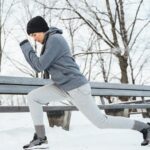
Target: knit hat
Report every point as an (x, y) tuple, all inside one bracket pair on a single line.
[(37, 24)]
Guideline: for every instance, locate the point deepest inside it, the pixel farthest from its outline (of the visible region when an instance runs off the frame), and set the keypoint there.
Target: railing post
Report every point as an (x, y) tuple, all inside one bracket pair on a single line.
[(102, 100), (145, 112)]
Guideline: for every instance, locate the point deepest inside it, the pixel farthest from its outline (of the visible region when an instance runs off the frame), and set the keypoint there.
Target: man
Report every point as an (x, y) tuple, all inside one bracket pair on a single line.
[(68, 83)]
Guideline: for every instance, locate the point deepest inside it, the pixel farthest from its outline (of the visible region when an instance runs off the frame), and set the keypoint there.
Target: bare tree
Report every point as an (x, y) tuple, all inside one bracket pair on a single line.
[(0, 30), (121, 40), (113, 34), (4, 15), (121, 37)]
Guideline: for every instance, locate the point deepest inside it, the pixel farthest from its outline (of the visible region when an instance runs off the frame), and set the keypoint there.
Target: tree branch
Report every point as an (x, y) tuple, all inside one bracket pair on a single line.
[(134, 22)]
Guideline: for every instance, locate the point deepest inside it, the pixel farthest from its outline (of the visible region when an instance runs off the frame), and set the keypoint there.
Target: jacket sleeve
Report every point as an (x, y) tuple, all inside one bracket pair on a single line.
[(39, 64)]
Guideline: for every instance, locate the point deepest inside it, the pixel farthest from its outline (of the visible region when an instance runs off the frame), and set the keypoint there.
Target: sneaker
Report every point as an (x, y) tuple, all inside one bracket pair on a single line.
[(146, 135), (37, 143)]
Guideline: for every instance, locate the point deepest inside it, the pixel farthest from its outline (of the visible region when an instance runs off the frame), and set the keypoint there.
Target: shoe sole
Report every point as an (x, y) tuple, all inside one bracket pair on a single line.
[(43, 146)]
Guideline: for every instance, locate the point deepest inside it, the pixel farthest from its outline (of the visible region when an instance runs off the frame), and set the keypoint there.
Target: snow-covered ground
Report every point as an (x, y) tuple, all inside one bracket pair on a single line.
[(16, 130)]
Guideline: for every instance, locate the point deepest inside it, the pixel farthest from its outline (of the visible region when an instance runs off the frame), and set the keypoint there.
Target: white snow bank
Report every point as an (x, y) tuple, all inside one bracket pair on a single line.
[(16, 130)]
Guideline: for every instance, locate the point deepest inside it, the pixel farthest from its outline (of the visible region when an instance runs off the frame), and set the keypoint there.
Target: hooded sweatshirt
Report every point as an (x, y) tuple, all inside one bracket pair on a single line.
[(56, 59)]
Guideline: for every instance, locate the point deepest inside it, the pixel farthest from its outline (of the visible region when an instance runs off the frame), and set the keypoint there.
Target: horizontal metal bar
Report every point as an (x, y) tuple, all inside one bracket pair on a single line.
[(125, 106), (115, 92), (120, 86), (16, 89), (8, 80), (25, 89), (72, 108)]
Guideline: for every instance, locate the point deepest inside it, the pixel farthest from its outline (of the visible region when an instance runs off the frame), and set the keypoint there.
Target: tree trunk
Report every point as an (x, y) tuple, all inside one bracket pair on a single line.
[(123, 67), (123, 63), (0, 50), (0, 40)]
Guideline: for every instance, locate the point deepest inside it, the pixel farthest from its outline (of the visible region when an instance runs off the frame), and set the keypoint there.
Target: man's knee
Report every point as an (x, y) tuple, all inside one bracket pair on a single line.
[(31, 96), (35, 97)]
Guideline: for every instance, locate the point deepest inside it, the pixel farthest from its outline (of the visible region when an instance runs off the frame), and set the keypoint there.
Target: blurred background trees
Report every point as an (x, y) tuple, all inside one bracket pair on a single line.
[(108, 38)]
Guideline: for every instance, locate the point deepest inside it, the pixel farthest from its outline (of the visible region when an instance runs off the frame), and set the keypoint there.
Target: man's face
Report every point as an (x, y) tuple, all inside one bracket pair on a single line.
[(38, 36)]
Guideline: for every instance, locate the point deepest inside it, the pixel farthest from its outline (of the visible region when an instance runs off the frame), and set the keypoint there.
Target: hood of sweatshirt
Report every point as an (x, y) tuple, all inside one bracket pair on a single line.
[(52, 30)]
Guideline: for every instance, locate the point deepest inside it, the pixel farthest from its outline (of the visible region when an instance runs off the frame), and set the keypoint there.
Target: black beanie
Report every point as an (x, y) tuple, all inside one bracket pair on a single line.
[(37, 24)]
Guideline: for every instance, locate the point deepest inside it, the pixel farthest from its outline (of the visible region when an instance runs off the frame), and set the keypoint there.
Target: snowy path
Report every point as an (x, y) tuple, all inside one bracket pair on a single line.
[(16, 130)]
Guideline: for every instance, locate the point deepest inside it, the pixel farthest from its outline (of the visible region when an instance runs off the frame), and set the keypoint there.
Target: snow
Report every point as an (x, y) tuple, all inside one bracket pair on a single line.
[(16, 129)]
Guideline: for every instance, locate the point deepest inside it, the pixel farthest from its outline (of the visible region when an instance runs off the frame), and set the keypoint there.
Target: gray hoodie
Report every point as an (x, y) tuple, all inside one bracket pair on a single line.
[(56, 60)]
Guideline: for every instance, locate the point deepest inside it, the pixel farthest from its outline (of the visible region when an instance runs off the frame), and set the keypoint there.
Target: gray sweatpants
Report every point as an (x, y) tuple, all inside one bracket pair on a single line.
[(81, 98)]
